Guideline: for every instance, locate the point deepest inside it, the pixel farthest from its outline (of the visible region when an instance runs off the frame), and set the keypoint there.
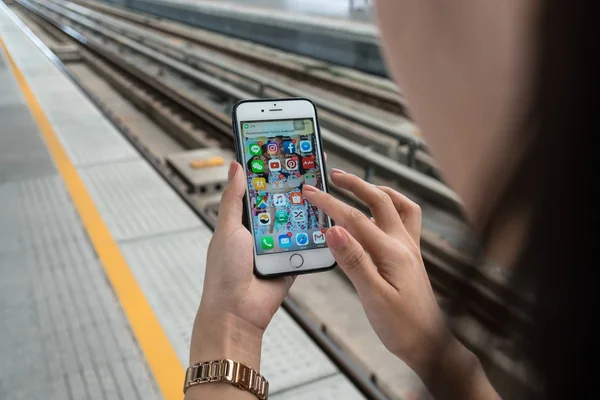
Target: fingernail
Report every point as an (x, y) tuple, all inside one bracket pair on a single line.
[(336, 238), (232, 169), (309, 188), (337, 171)]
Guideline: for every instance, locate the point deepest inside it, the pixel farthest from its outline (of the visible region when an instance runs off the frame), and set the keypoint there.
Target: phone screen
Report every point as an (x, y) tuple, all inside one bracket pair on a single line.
[(281, 156)]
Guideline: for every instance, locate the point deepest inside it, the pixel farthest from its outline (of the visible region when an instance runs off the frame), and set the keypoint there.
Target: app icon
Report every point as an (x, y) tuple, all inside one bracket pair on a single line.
[(305, 146), (293, 181), (289, 147), (285, 241), (257, 166), (310, 179), (267, 242), (278, 184), (301, 239), (245, 126), (279, 200), (264, 218), (296, 198), (291, 163), (259, 183), (272, 148), (261, 202), (299, 215), (281, 217), (255, 149), (308, 162), (274, 165), (318, 237)]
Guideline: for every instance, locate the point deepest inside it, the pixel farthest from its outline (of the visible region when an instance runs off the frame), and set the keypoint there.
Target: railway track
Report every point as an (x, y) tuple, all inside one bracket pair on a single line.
[(385, 132), (195, 113), (373, 91), (183, 80)]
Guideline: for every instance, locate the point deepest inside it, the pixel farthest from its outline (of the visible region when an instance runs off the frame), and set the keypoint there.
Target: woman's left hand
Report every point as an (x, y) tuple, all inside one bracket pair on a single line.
[(236, 306)]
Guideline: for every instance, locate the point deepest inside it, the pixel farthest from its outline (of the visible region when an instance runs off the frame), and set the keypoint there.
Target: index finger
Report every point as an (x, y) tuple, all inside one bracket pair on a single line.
[(378, 201), (354, 221)]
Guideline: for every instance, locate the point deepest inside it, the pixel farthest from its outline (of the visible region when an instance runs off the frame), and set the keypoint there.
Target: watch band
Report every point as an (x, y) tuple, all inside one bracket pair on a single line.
[(230, 371)]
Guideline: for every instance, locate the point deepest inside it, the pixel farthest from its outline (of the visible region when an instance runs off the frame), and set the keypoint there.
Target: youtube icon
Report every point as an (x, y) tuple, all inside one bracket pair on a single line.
[(274, 165)]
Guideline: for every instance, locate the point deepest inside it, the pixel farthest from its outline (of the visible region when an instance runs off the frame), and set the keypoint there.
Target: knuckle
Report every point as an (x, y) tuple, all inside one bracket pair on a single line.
[(382, 197), (355, 184), (351, 182), (353, 179), (390, 254), (403, 250), (353, 215), (354, 258), (414, 209), (388, 191)]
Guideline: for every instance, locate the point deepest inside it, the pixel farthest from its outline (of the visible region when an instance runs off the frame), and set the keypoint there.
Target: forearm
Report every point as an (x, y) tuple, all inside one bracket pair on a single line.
[(216, 337), (456, 373)]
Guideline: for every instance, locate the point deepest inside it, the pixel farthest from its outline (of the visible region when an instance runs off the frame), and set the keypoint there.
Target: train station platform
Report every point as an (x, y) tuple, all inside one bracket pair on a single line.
[(322, 30), (101, 262)]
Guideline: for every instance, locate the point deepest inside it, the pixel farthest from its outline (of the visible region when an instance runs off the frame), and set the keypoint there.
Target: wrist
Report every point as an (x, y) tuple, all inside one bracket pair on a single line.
[(455, 372), (217, 335)]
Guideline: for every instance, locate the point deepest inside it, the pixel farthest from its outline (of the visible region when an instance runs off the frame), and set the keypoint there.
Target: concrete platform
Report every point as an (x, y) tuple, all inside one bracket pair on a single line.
[(314, 30), (61, 321), (102, 263)]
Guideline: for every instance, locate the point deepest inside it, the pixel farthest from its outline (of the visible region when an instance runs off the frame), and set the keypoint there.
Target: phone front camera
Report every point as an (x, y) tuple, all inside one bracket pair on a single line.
[(262, 110)]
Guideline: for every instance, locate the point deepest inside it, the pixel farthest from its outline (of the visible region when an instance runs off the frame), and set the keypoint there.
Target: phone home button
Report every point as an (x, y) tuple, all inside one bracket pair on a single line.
[(296, 261)]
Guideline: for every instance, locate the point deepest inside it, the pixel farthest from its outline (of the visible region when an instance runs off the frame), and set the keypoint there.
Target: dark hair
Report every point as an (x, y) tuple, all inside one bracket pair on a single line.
[(555, 180)]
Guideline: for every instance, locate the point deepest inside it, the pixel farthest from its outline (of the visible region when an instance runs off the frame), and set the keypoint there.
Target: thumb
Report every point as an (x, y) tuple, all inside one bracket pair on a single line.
[(352, 258), (232, 206)]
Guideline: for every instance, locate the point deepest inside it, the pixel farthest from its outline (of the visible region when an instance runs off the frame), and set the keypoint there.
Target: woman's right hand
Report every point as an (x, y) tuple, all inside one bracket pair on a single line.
[(383, 260), (391, 280)]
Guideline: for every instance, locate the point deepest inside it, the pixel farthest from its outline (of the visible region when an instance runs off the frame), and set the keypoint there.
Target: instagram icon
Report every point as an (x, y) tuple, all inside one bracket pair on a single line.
[(272, 148)]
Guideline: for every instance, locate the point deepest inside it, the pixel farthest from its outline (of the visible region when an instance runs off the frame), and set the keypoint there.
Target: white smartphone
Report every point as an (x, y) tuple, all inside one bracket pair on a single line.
[(278, 143)]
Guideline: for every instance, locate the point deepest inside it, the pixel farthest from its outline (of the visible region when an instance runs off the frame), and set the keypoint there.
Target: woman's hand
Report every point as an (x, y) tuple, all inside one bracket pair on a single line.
[(382, 258), (391, 280), (236, 307)]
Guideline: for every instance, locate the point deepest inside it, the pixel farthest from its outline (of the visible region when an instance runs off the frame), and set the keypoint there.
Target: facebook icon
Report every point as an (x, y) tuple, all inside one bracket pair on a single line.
[(289, 147)]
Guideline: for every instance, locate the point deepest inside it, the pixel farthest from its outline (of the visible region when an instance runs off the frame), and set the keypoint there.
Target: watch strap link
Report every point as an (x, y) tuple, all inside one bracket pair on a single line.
[(230, 371)]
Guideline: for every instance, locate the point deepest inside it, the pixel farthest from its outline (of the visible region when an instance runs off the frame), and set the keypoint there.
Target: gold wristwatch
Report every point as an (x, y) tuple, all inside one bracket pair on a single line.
[(229, 371)]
